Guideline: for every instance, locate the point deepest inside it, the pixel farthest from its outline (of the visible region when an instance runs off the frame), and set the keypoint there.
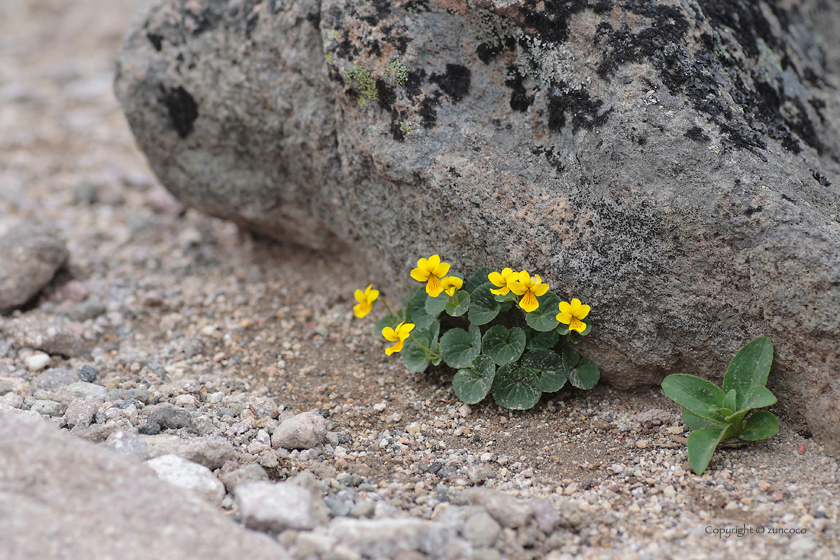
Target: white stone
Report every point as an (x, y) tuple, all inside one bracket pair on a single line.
[(185, 400), (37, 362), (275, 507), (191, 476)]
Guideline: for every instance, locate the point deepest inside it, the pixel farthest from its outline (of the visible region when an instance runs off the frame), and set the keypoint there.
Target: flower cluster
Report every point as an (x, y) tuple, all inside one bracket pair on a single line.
[(530, 288), (474, 327), (433, 272)]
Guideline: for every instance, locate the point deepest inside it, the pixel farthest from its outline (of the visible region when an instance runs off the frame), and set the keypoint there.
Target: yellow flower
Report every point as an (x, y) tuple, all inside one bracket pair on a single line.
[(450, 284), (501, 280), (530, 288), (397, 335), (431, 270), (573, 314), (365, 300)]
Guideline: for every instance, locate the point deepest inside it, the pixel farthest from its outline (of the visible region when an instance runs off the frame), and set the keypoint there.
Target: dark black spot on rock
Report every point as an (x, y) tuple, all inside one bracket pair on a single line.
[(277, 5), (603, 6), (207, 19), (789, 199), (427, 110), (519, 98), (251, 25), (548, 19), (414, 82), (750, 211), (812, 78), (550, 157), (183, 110), (454, 172), (818, 105), (455, 83), (156, 40), (820, 178), (584, 110), (315, 19), (387, 95), (375, 48), (399, 39), (381, 10), (346, 49), (696, 133), (487, 52), (668, 26)]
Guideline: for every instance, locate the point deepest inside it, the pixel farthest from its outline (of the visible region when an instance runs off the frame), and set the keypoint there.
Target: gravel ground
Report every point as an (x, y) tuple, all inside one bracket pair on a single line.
[(169, 332)]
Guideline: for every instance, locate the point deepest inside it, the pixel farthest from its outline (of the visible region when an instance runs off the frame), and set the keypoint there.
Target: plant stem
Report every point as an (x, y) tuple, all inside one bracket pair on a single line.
[(429, 353), (391, 313)]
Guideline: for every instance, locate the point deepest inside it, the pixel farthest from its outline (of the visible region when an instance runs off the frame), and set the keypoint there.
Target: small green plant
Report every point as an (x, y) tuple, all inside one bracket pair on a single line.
[(398, 72), (367, 85), (504, 332), (714, 415)]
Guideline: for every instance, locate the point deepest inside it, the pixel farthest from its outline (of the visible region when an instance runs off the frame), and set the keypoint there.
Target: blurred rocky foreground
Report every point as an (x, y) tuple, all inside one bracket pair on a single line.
[(674, 164)]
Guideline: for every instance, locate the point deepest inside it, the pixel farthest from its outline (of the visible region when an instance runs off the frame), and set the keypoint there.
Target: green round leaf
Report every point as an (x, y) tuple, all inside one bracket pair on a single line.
[(562, 329), (417, 310), (472, 384), (434, 305), (413, 356), (483, 306), (588, 322), (544, 318), (585, 374), (503, 345), (478, 279), (516, 387), (552, 368), (542, 340), (459, 347), (460, 305), (510, 296), (574, 337)]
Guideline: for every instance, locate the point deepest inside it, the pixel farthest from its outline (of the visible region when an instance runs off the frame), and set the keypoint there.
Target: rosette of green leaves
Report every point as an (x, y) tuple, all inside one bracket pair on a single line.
[(515, 364), (715, 414)]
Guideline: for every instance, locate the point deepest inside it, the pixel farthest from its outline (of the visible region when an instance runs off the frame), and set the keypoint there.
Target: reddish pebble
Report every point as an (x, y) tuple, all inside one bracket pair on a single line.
[(74, 291), (801, 449)]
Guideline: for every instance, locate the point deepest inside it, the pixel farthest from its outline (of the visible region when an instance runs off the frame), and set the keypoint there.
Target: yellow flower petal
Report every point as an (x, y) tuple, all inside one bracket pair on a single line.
[(420, 274), (501, 291), (450, 284), (371, 295), (540, 289), (575, 306), (583, 312), (497, 279), (432, 263), (362, 309), (403, 329), (529, 302), (441, 270), (565, 307), (576, 325), (564, 317), (433, 287), (390, 334), (395, 348)]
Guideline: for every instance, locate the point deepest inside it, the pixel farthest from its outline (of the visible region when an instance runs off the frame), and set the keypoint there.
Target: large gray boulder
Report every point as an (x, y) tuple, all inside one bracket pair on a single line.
[(61, 497), (673, 164)]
